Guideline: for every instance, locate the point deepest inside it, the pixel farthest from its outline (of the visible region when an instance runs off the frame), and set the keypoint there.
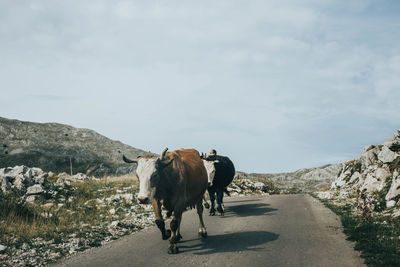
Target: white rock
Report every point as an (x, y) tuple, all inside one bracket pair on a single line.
[(28, 174), (36, 171), (394, 189), (382, 174), (369, 157), (19, 181), (390, 203), (112, 211), (356, 177), (370, 184), (326, 195), (33, 198), (259, 185), (13, 172), (34, 190), (2, 248), (128, 197), (4, 184), (386, 155)]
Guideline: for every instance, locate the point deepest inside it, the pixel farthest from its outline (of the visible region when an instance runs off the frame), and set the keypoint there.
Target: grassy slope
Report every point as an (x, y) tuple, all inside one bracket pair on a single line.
[(377, 238)]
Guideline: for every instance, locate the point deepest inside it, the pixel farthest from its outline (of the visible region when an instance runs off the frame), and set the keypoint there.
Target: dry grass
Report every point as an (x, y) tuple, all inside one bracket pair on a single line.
[(73, 208)]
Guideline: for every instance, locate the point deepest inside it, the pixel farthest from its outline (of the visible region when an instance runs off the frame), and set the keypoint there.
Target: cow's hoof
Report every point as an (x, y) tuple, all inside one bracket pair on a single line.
[(178, 237), (173, 249), (167, 235), (220, 209), (202, 234)]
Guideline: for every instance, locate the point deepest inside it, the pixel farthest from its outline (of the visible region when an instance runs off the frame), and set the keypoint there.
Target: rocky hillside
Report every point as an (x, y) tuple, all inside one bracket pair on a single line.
[(54, 147), (304, 180), (371, 182)]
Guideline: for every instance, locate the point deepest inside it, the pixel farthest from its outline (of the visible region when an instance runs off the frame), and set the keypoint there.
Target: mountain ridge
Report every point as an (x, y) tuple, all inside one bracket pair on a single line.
[(55, 146)]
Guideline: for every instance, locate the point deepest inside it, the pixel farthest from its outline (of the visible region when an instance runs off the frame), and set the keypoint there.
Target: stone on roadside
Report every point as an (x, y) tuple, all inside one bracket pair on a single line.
[(325, 195)]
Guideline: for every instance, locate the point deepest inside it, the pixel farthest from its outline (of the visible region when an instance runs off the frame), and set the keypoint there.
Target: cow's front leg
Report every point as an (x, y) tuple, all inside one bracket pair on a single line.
[(211, 193), (175, 223), (159, 220)]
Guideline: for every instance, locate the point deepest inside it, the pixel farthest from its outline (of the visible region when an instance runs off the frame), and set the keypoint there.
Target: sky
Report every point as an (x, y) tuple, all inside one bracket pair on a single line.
[(275, 85)]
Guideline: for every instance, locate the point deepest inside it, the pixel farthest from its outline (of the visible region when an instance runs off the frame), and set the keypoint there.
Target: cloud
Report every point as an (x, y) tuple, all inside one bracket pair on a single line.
[(278, 85)]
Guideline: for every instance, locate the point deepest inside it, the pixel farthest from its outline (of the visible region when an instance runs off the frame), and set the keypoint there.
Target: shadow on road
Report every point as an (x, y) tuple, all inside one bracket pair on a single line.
[(242, 210), (231, 242)]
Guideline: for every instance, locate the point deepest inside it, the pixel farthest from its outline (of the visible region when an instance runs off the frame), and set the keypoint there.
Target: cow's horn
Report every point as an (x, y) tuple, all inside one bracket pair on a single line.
[(128, 160), (163, 153)]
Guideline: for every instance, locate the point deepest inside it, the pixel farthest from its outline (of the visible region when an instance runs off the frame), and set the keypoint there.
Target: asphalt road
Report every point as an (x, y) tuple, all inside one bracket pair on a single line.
[(279, 230)]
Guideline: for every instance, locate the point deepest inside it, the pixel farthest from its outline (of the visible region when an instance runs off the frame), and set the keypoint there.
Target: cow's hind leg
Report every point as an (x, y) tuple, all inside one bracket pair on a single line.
[(220, 195), (175, 223), (159, 220), (202, 228), (211, 193)]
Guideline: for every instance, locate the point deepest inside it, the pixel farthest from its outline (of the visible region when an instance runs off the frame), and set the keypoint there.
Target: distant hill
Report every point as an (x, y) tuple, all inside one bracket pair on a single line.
[(53, 146), (303, 180)]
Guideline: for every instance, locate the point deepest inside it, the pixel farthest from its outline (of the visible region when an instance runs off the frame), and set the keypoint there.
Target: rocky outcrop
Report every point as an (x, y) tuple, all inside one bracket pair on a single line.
[(32, 183), (57, 147), (304, 180), (372, 181), (244, 184)]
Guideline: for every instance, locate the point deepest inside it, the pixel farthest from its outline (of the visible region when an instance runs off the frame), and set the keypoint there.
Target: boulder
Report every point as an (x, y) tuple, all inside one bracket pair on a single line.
[(11, 173), (34, 190), (2, 248), (394, 189), (390, 204), (370, 184), (393, 145), (259, 185), (387, 155), (4, 184), (19, 181), (369, 157)]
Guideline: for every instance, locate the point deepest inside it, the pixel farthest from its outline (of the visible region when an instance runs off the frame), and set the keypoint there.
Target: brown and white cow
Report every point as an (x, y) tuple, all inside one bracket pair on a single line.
[(176, 180)]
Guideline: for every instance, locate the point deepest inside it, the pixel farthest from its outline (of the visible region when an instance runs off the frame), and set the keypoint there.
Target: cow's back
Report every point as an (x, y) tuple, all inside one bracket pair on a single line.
[(194, 173), (224, 172)]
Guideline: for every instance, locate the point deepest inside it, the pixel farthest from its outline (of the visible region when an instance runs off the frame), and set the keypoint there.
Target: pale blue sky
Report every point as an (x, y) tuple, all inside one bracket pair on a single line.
[(275, 85)]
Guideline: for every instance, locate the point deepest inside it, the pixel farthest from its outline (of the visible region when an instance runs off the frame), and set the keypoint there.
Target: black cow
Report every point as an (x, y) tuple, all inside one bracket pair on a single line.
[(220, 171)]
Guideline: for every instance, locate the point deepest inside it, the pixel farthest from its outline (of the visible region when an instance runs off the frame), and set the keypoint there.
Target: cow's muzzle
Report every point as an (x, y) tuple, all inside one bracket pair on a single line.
[(143, 200)]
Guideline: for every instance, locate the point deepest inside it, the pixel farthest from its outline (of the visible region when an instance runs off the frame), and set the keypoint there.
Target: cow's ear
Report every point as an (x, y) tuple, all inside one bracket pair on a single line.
[(164, 163)]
